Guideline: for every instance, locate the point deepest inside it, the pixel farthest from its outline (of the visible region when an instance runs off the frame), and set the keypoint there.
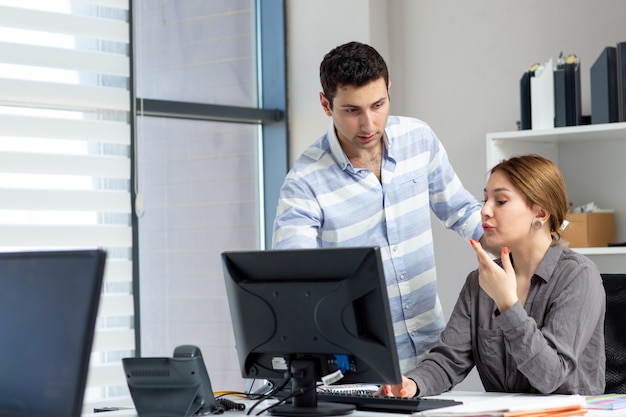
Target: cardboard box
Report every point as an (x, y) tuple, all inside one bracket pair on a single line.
[(589, 229)]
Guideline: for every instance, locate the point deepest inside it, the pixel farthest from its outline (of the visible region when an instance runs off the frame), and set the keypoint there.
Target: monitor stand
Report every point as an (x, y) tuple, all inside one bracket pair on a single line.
[(306, 404)]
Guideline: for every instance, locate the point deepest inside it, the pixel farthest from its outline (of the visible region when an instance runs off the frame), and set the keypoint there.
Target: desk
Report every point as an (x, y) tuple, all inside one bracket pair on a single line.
[(463, 396), (475, 397)]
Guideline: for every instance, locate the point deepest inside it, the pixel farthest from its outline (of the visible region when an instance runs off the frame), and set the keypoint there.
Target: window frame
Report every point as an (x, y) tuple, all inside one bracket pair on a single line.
[(270, 115)]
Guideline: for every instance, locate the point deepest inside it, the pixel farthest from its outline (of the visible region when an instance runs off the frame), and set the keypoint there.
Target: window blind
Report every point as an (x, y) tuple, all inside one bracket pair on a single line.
[(65, 146), (199, 178)]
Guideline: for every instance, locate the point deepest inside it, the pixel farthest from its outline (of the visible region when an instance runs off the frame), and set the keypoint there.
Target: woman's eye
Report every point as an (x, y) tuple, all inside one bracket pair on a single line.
[(498, 202)]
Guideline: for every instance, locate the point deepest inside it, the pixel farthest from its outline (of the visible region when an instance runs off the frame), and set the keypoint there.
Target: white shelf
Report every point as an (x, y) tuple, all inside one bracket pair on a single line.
[(607, 131), (613, 250)]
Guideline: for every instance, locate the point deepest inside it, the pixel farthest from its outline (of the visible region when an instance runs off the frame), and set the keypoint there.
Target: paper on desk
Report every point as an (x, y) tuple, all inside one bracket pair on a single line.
[(519, 405), (606, 402)]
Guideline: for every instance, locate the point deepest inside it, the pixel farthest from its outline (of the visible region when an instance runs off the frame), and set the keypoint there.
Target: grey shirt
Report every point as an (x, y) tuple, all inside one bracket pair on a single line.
[(552, 344)]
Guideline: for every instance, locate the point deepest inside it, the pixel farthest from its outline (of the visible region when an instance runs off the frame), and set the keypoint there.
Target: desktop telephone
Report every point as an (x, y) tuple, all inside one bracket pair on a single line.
[(176, 386)]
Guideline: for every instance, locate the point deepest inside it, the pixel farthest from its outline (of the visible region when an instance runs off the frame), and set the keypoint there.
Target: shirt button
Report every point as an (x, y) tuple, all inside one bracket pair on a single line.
[(401, 277), (394, 249), (406, 307)]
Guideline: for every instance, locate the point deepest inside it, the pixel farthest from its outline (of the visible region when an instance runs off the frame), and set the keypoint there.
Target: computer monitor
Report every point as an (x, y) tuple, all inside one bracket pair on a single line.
[(307, 313), (48, 308)]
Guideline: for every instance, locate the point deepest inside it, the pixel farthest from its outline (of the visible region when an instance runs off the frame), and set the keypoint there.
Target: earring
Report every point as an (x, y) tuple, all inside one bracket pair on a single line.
[(537, 224)]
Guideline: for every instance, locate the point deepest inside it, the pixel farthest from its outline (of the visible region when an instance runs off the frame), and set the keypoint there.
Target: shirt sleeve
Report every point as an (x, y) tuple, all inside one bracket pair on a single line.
[(449, 362), (547, 357), (298, 217), (456, 207)]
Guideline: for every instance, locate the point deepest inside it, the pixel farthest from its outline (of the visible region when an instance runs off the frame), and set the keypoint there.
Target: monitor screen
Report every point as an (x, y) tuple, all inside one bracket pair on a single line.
[(309, 314), (48, 308)]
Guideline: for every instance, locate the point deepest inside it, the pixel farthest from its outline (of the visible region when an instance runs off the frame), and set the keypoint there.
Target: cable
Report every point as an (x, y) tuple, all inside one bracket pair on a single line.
[(295, 393), (270, 394), (239, 394), (230, 405)]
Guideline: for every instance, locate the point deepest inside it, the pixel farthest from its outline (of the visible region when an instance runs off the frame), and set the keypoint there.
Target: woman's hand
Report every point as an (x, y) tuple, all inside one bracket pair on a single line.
[(498, 282), (408, 389)]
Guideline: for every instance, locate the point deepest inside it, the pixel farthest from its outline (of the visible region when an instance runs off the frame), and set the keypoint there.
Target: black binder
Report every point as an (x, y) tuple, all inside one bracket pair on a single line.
[(604, 87), (526, 116), (526, 119), (567, 102), (621, 80)]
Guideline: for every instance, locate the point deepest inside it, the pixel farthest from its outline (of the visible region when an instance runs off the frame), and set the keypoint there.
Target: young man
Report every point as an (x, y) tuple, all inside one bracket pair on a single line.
[(372, 180)]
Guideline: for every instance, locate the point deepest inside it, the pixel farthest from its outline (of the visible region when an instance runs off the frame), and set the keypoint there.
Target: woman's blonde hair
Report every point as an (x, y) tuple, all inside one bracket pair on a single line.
[(541, 181)]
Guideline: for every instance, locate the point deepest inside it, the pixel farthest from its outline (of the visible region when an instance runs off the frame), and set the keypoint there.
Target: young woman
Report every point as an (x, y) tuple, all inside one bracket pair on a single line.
[(533, 320)]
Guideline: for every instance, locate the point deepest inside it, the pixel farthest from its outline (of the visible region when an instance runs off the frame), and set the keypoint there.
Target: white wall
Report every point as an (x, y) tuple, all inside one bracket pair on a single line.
[(454, 64), (313, 29)]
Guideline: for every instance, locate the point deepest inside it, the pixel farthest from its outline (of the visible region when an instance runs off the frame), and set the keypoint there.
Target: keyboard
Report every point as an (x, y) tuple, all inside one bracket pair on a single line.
[(368, 402)]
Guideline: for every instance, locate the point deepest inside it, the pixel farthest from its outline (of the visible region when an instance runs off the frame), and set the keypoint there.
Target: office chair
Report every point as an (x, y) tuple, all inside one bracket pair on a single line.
[(615, 332)]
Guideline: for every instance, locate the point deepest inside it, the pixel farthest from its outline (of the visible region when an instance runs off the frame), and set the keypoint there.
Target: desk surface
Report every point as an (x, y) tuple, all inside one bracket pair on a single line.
[(466, 397)]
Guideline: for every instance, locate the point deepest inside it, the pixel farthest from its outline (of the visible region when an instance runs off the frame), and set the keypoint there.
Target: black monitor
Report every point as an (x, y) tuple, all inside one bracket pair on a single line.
[(305, 314), (48, 308)]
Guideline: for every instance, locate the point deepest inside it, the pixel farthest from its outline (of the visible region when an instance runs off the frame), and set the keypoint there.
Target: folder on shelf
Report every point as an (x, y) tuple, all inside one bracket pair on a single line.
[(524, 93), (621, 80), (542, 97), (567, 103), (604, 92), (525, 110)]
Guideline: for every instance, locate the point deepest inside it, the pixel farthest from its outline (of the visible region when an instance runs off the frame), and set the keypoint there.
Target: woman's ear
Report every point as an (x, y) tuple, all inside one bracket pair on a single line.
[(542, 214)]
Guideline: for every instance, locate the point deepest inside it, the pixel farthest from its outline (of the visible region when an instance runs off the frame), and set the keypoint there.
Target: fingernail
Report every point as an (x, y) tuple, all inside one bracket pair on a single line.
[(403, 392), (472, 242), (505, 250), (387, 390)]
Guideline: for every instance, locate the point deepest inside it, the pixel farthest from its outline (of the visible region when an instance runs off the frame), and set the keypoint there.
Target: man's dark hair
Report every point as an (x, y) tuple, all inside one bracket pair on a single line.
[(354, 64)]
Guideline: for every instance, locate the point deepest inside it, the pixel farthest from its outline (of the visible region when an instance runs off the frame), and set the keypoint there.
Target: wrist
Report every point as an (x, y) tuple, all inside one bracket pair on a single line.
[(417, 388)]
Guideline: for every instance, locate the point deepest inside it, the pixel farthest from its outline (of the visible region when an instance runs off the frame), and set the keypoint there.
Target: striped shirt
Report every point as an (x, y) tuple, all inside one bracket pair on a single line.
[(326, 202)]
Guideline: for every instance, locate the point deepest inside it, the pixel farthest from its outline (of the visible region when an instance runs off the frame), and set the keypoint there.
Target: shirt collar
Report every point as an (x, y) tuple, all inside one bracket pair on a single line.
[(549, 262), (335, 147)]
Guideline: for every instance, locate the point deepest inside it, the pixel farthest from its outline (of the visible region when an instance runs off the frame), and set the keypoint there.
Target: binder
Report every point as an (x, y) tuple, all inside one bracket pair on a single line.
[(525, 110), (542, 97), (621, 80), (567, 102), (560, 116), (604, 87)]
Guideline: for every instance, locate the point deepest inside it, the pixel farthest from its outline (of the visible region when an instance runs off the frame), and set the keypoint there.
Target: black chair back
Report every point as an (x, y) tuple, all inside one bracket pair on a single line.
[(615, 332)]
